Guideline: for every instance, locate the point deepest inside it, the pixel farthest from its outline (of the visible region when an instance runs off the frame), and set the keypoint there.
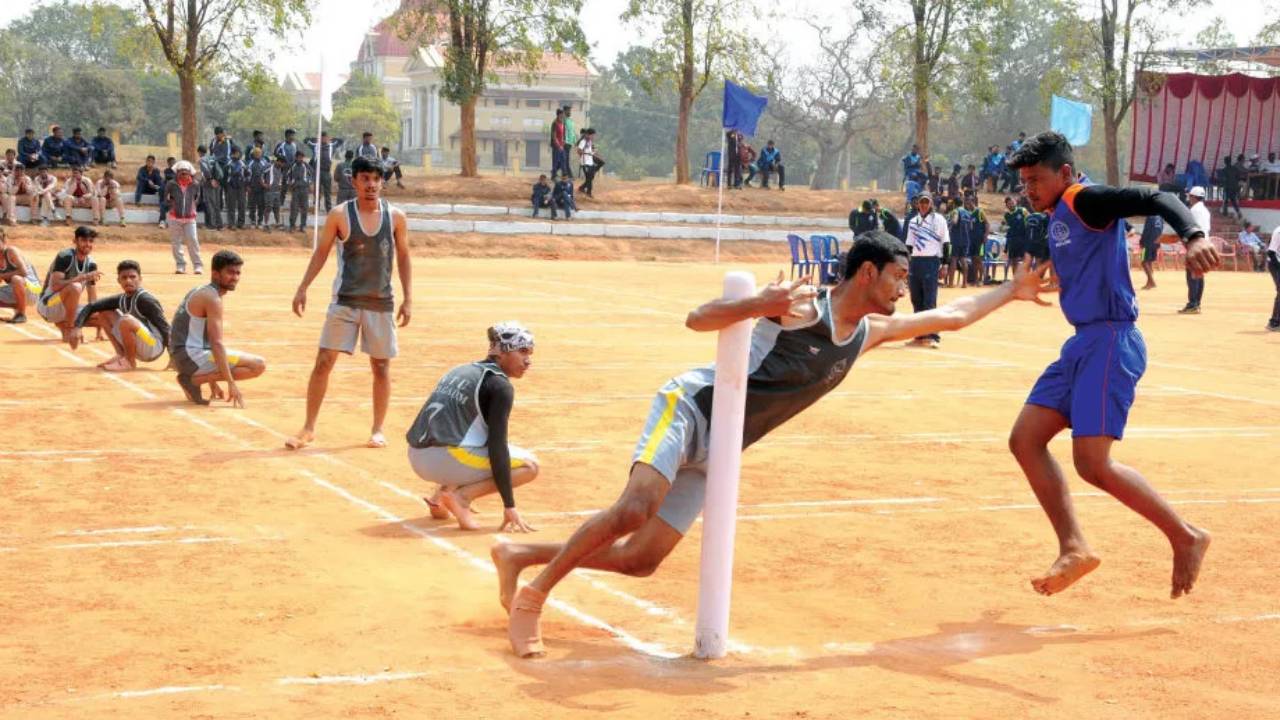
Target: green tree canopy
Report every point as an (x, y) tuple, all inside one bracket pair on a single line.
[(370, 113)]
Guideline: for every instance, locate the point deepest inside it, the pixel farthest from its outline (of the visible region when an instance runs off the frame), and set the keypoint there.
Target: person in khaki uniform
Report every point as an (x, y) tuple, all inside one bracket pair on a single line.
[(109, 197)]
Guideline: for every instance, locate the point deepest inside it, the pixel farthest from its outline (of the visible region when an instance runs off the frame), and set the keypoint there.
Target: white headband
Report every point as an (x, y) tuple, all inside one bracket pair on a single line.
[(512, 336)]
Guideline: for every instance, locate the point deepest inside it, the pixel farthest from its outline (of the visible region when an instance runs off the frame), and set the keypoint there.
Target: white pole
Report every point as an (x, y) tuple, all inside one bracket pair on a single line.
[(720, 186), (724, 461), (315, 208)]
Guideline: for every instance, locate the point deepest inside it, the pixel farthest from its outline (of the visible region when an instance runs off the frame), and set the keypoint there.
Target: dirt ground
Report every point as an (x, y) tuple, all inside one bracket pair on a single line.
[(165, 560)]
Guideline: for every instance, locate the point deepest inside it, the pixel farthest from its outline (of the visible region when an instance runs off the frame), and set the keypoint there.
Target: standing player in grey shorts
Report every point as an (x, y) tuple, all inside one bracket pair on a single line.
[(134, 321), (459, 439), (371, 236), (802, 347)]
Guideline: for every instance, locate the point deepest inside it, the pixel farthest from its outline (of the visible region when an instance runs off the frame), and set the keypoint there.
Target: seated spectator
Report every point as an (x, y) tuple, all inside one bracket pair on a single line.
[(44, 195), (29, 149), (149, 181), (770, 161), (109, 196), (78, 150), (53, 151), (562, 196), (78, 193), (104, 149), (541, 197), (390, 166), (1168, 178), (10, 163), (1272, 165), (1252, 246), (15, 187)]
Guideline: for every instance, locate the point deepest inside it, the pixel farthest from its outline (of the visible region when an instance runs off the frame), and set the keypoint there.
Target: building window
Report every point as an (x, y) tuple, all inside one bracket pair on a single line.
[(500, 153), (501, 102), (533, 153), (533, 103), (534, 124)]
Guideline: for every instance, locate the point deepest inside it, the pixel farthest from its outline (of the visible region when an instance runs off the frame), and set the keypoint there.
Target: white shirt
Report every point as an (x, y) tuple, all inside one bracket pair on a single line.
[(588, 150), (1275, 242), (1200, 212), (926, 234), (1272, 167)]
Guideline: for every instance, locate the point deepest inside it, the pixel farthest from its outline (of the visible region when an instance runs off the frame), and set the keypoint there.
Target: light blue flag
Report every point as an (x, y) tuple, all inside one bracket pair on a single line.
[(1072, 119)]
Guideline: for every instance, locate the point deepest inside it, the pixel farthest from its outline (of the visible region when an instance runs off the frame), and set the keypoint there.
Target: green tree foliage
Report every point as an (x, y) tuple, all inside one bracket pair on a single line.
[(26, 72), (267, 107), (99, 97), (368, 113), (97, 33), (480, 37), (358, 85)]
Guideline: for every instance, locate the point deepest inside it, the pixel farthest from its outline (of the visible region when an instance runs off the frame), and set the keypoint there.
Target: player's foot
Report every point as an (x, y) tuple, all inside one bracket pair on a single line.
[(524, 629), (1187, 557), (301, 440), (459, 510), (1149, 286), (1068, 568), (18, 319), (377, 440), (118, 364), (74, 338), (504, 556), (191, 390), (433, 505), (1190, 310)]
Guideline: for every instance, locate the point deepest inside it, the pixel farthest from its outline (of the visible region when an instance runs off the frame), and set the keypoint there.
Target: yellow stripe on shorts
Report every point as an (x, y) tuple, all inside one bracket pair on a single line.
[(54, 299), (146, 337), (475, 461), (664, 424), (34, 287)]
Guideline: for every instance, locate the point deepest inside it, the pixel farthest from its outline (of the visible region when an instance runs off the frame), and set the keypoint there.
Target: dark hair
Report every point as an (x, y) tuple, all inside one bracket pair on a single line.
[(876, 247), (300, 154), (84, 231), (1048, 148), (386, 149), (256, 133), (151, 157), (290, 131), (217, 130), (363, 164), (75, 130), (201, 148), (102, 129), (28, 130), (349, 154), (128, 265), (171, 159), (366, 134), (226, 258)]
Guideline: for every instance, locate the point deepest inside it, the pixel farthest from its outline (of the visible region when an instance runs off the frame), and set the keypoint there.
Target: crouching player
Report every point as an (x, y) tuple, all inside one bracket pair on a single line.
[(134, 321)]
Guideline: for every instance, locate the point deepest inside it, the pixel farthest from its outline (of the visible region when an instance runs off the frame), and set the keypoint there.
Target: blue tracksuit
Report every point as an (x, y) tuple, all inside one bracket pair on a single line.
[(30, 153), (53, 150), (104, 150)]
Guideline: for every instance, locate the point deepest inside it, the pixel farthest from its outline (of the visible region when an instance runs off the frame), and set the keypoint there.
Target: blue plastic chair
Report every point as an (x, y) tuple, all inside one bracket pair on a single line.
[(711, 168), (991, 256), (824, 250), (799, 255)]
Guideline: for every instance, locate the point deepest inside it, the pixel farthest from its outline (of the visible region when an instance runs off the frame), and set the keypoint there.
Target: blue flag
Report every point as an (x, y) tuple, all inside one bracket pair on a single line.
[(1072, 119), (742, 110)]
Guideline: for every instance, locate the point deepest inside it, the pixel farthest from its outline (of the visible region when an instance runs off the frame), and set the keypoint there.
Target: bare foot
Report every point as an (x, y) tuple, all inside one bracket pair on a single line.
[(458, 509), (1149, 286), (377, 440), (74, 338), (301, 440), (103, 365), (503, 555), (433, 504), (117, 364), (1186, 562), (524, 629), (1067, 569)]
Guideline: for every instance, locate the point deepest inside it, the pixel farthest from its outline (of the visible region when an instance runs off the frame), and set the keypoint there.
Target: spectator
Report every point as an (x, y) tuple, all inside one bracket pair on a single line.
[(287, 148), (926, 235), (960, 226), (978, 232), (1022, 138), (342, 176), (391, 166), (771, 161), (541, 196), (276, 192), (1272, 165), (324, 150), (913, 189), (15, 187), (1253, 247), (559, 153), (1273, 266), (148, 182), (746, 158), (933, 182), (1010, 181), (970, 183), (562, 196), (260, 142), (300, 180), (29, 152), (570, 137), (220, 149), (588, 160), (367, 147), (952, 190), (53, 151), (888, 220), (1167, 180), (168, 174), (733, 159), (863, 219), (109, 196), (78, 150), (104, 149), (260, 169), (992, 168), (911, 164), (44, 195), (1195, 285), (1230, 177), (212, 175), (10, 162), (182, 195), (1152, 229), (78, 193), (234, 189), (1038, 236), (1015, 234)]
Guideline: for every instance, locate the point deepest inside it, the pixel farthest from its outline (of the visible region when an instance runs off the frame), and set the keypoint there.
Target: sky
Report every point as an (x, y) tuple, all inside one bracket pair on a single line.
[(338, 28)]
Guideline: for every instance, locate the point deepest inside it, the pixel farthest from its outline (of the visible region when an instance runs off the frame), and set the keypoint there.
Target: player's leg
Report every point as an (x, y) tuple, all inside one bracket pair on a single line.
[(317, 386), (378, 341), (381, 368), (15, 296), (243, 367), (70, 297), (124, 335), (108, 320)]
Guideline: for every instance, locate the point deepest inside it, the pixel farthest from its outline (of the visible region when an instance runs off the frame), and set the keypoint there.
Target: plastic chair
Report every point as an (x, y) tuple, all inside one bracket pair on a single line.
[(991, 255), (1227, 249), (823, 251), (711, 168), (831, 259), (799, 255)]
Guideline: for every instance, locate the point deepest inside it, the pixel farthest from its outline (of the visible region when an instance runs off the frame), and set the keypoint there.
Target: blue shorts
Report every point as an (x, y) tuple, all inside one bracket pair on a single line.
[(1094, 382)]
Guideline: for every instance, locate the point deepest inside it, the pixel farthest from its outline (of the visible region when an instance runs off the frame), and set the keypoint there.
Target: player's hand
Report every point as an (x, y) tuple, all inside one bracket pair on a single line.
[(299, 302), (512, 521), (215, 392), (1202, 256), (405, 313), (778, 297), (1029, 283), (234, 397)]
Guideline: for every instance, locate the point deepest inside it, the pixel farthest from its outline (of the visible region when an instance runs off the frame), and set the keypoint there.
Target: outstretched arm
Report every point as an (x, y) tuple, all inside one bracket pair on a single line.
[(318, 257), (1099, 206), (961, 312), (777, 299)]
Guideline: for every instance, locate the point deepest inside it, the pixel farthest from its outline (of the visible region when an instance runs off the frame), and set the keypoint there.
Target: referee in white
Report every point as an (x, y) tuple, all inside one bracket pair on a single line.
[(926, 235)]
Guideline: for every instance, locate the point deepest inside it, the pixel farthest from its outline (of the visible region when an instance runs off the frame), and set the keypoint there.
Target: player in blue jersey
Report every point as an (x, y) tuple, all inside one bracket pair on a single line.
[(1091, 387)]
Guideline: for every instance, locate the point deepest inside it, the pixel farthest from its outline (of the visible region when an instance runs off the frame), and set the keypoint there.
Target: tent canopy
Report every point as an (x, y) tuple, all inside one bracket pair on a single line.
[(1257, 55)]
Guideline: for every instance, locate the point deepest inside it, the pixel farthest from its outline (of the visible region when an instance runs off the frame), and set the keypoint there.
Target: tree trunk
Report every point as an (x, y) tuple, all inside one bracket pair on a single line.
[(824, 177), (922, 112), (686, 93), (1111, 129), (190, 125), (467, 160)]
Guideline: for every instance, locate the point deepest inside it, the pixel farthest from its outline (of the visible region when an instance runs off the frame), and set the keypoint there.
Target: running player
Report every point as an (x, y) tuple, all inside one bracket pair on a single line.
[(195, 339), (1091, 387), (19, 283), (134, 321), (72, 275), (459, 439), (802, 347), (362, 297)]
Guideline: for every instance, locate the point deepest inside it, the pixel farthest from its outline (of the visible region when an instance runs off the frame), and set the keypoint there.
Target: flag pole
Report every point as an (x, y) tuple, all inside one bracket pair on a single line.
[(720, 184), (315, 208)]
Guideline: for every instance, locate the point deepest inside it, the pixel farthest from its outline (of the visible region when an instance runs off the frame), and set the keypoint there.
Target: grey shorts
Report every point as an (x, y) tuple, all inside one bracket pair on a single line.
[(52, 309), (33, 294), (201, 362), (376, 330), (674, 443), (457, 466), (146, 340)]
